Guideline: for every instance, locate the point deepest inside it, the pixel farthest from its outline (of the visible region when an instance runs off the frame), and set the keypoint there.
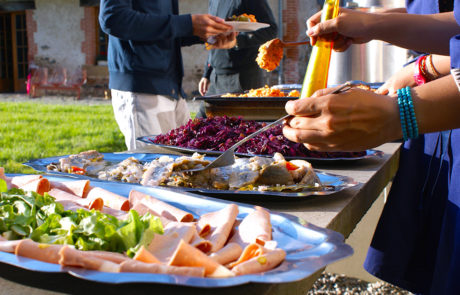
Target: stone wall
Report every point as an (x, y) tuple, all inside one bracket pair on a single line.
[(59, 36)]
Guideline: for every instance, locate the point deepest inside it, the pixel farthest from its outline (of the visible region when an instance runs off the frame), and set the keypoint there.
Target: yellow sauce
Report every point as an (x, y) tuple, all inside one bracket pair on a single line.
[(318, 65)]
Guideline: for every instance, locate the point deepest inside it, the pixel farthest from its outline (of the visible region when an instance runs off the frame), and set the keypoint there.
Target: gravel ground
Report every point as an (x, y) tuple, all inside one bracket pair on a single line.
[(330, 284), (334, 284)]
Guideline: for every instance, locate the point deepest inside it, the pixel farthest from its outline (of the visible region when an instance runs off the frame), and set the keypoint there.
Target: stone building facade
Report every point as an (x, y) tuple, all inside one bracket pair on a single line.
[(64, 34)]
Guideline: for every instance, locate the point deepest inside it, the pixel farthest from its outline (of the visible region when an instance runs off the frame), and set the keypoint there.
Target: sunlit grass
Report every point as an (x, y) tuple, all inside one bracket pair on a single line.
[(30, 130)]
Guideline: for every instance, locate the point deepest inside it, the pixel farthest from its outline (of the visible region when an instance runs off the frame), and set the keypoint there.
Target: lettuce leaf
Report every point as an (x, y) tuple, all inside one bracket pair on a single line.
[(30, 215)]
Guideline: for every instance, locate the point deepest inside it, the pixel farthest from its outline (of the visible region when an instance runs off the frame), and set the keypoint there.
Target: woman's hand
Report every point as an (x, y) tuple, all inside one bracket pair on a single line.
[(203, 86), (350, 121), (402, 78), (349, 27)]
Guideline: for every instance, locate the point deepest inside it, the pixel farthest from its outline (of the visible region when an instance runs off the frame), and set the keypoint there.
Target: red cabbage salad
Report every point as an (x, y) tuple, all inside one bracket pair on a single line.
[(220, 133)]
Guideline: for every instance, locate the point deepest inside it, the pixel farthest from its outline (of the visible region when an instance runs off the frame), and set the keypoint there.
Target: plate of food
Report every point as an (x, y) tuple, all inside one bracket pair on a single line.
[(240, 26), (162, 237), (214, 135), (245, 23), (260, 178)]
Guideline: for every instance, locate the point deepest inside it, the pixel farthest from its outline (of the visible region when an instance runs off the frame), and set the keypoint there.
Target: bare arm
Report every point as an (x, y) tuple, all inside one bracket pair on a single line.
[(360, 119), (404, 30)]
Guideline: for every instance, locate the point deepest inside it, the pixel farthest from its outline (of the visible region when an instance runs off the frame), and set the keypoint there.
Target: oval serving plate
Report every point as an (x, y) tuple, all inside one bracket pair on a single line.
[(149, 140), (332, 183), (308, 247)]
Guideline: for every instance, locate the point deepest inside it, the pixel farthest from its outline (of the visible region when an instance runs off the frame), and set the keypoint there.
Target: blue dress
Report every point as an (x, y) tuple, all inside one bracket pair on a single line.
[(416, 244)]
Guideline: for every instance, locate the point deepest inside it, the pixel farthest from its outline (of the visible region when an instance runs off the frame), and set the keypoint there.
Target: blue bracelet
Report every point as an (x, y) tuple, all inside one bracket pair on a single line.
[(412, 117), (407, 114), (402, 114), (409, 125)]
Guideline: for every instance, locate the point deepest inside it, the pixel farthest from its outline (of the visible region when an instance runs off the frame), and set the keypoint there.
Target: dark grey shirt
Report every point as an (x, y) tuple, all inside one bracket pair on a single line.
[(231, 61)]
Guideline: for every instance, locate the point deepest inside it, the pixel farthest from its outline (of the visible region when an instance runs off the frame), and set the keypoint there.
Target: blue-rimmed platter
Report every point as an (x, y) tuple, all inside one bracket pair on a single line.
[(308, 247), (332, 183), (345, 156)]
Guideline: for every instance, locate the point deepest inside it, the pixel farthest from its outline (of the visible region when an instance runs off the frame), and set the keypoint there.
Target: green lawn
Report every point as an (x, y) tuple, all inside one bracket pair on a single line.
[(30, 130)]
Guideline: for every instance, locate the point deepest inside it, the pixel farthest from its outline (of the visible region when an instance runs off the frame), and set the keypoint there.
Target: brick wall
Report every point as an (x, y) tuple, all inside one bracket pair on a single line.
[(31, 25), (88, 26), (291, 33)]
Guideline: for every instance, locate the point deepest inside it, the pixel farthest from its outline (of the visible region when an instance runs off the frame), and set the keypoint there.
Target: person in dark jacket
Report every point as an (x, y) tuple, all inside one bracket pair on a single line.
[(145, 62), (235, 70)]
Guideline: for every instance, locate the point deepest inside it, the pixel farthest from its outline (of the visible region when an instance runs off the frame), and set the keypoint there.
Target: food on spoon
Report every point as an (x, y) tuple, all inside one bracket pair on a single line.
[(270, 55), (243, 18), (265, 91)]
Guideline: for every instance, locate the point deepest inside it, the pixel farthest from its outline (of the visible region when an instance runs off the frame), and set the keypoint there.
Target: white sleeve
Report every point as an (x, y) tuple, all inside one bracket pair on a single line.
[(456, 74)]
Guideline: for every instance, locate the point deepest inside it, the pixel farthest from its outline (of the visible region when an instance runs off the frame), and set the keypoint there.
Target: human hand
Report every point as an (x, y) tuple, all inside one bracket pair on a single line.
[(350, 26), (223, 41), (203, 86), (206, 25), (354, 120), (402, 78)]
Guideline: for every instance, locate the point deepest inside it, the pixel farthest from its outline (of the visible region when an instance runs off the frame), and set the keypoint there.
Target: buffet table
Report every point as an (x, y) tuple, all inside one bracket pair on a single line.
[(339, 212)]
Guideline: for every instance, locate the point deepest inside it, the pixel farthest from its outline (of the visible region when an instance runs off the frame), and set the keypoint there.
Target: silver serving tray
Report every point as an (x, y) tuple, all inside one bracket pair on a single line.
[(150, 138), (332, 183), (308, 247)]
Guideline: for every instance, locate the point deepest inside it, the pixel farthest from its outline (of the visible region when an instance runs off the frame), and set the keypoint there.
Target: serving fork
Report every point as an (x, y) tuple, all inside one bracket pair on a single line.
[(228, 157)]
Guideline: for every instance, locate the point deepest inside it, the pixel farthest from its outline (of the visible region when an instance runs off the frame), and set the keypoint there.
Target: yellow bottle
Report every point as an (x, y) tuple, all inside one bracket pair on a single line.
[(318, 65)]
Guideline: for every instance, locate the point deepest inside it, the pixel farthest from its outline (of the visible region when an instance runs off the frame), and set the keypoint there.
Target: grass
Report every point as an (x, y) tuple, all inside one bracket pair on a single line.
[(30, 130)]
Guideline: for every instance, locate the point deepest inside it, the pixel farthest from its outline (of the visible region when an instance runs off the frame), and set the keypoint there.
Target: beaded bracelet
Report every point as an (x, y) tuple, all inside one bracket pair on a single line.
[(413, 119), (407, 114)]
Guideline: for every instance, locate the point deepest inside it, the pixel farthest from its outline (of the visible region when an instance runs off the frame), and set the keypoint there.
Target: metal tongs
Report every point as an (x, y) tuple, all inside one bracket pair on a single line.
[(228, 157)]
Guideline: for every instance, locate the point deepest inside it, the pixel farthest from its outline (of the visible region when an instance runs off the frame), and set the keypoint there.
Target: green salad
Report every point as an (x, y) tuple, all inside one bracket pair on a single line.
[(42, 219)]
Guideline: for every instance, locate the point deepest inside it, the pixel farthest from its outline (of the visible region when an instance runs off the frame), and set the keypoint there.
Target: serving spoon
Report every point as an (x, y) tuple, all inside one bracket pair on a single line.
[(228, 157)]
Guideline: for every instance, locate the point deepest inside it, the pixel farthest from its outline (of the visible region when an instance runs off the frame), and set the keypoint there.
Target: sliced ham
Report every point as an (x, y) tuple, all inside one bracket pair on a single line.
[(144, 255), (203, 245), (260, 263), (72, 257), (61, 195), (221, 223), (18, 181), (79, 188), (142, 210), (163, 246), (106, 255), (40, 186), (251, 251), (120, 214), (138, 266), (255, 227), (187, 255), (43, 252), (227, 254), (158, 207), (8, 246), (111, 200), (69, 205)]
